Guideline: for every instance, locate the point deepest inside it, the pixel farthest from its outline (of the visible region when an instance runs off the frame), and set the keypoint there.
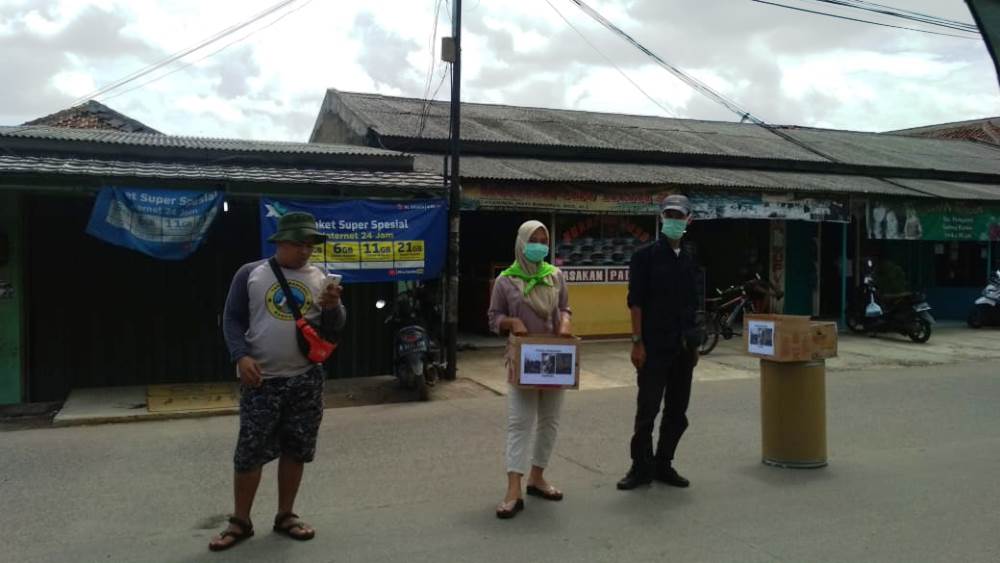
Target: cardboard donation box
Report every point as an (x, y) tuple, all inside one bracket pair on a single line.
[(789, 338), (545, 362)]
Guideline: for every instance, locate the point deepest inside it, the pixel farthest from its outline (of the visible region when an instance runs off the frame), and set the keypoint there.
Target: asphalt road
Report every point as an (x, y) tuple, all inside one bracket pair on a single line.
[(914, 476)]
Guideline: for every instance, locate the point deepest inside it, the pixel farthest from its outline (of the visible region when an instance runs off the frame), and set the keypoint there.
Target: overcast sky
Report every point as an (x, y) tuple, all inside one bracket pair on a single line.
[(786, 67)]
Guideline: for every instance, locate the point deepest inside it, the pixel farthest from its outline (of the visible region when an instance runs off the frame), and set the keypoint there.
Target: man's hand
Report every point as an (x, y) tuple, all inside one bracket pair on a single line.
[(330, 298), (692, 350), (638, 355), (249, 371), (517, 327)]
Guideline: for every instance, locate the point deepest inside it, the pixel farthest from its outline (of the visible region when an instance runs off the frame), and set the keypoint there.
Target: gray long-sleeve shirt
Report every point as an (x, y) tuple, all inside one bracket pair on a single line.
[(257, 321)]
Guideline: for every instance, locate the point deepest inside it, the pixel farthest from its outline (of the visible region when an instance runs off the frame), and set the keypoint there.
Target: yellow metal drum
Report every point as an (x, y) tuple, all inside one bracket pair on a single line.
[(793, 413)]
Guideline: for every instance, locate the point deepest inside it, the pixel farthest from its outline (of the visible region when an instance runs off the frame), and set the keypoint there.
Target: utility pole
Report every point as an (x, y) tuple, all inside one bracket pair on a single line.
[(455, 194)]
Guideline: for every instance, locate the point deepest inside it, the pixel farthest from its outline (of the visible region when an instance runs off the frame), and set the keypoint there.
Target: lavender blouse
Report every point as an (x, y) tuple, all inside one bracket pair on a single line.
[(508, 301)]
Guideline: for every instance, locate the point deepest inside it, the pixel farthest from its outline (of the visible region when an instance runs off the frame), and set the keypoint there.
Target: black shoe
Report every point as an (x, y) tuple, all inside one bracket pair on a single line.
[(636, 477), (667, 474)]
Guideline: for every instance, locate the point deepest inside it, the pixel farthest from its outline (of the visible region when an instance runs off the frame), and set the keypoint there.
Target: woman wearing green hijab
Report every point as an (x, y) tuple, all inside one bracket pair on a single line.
[(530, 297)]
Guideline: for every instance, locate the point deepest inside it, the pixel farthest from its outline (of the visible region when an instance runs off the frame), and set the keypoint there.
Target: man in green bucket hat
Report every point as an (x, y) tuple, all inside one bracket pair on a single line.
[(297, 227), (281, 391)]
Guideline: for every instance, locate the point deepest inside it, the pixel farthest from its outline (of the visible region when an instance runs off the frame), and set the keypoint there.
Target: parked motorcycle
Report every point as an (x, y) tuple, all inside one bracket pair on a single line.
[(908, 313), (415, 353), (726, 311), (986, 310)]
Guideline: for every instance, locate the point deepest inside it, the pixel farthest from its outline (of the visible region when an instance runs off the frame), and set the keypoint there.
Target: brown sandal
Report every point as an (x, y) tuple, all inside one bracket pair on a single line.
[(505, 513), (282, 527), (245, 532), (550, 493)]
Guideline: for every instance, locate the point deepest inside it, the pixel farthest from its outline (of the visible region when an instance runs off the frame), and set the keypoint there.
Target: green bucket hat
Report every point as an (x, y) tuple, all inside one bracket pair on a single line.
[(297, 227)]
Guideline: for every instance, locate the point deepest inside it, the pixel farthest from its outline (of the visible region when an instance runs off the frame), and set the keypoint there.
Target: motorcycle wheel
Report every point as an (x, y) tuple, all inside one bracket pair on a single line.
[(711, 338), (406, 377), (975, 319), (423, 390), (921, 332), (854, 324)]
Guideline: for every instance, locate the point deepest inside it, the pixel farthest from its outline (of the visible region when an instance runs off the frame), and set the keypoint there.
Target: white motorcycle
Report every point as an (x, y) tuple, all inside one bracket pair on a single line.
[(986, 311)]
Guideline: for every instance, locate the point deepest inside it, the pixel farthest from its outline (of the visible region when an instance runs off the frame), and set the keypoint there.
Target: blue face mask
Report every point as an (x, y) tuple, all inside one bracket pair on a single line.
[(535, 252), (674, 229)]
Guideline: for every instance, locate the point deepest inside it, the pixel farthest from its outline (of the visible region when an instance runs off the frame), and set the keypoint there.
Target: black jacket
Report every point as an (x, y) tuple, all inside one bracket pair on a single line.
[(667, 288)]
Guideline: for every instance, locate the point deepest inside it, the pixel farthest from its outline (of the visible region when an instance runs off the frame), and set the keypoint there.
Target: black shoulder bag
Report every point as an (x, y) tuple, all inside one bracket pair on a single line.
[(312, 345)]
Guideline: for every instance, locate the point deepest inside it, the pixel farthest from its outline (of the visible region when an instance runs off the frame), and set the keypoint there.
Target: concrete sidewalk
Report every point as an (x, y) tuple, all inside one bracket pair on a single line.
[(129, 404), (607, 364)]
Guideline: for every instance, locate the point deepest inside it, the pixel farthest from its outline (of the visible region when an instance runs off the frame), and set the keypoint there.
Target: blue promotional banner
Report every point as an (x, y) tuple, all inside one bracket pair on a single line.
[(165, 224), (370, 241)]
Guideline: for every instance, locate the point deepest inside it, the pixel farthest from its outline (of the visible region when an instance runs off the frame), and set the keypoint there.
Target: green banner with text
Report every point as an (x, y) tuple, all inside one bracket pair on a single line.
[(937, 222)]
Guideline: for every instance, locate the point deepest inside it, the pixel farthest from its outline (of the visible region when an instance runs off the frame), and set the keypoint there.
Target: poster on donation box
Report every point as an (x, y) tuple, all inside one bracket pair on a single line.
[(761, 337), (547, 362), (370, 241)]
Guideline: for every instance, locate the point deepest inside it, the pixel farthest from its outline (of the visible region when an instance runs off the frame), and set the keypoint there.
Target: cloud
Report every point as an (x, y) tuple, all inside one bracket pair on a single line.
[(784, 66), (46, 71), (235, 72), (386, 56)]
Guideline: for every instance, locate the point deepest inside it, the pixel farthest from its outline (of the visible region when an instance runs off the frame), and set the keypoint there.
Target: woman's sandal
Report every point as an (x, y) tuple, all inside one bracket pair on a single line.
[(551, 493), (245, 532), (507, 510), (285, 522)]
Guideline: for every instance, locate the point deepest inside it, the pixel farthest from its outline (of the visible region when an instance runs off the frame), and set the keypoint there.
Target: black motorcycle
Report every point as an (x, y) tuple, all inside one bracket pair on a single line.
[(415, 352), (907, 313)]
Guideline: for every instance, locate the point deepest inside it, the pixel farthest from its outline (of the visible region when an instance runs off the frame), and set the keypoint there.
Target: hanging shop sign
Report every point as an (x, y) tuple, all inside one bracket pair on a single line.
[(932, 221), (767, 206), (646, 201), (567, 199), (370, 241), (582, 275), (165, 224)]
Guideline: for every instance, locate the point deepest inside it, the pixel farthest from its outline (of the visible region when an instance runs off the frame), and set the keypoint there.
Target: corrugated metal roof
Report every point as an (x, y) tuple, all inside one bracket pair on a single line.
[(30, 165), (535, 170), (401, 117), (110, 137), (876, 149), (953, 190)]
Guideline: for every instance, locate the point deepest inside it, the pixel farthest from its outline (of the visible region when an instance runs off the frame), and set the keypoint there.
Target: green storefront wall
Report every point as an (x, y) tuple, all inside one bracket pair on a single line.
[(800, 277), (11, 306)]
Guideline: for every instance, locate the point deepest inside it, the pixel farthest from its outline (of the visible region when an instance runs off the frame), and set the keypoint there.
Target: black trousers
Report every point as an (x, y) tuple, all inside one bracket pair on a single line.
[(664, 379)]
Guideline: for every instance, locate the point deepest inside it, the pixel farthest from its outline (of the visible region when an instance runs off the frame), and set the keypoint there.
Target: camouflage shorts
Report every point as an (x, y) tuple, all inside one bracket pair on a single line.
[(282, 416)]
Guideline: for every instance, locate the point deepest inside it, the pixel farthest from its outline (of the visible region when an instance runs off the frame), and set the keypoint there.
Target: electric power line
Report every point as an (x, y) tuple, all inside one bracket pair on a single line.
[(611, 62), (697, 85), (691, 81), (828, 14), (425, 109), (904, 14), (212, 54), (183, 52)]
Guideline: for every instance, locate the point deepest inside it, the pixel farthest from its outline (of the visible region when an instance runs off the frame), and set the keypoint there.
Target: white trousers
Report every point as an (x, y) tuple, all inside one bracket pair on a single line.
[(525, 408)]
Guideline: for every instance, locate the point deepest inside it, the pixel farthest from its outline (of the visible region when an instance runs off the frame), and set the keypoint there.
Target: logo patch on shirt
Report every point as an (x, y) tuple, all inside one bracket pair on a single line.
[(279, 306)]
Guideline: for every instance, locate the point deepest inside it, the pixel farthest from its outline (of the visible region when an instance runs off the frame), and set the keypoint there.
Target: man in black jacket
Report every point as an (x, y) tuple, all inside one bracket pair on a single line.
[(663, 299)]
